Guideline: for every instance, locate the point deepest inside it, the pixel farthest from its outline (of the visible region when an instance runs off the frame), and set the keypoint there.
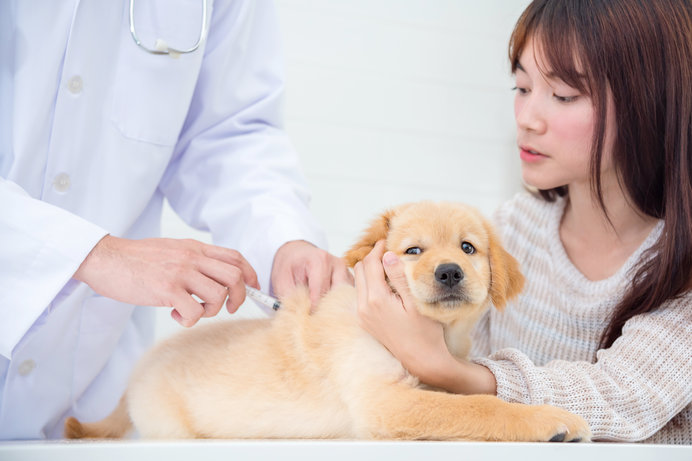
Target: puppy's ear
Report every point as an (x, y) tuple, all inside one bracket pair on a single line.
[(506, 279), (378, 230)]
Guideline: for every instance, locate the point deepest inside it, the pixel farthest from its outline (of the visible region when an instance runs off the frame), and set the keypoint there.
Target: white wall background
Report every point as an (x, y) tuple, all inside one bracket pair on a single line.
[(390, 101)]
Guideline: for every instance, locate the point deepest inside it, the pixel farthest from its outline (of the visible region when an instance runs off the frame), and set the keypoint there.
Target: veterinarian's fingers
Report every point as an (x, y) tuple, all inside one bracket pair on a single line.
[(318, 284), (236, 297), (182, 321), (316, 290), (222, 272), (284, 282), (325, 271), (235, 259), (211, 293), (341, 274), (228, 277), (176, 316), (291, 263), (394, 269), (186, 311)]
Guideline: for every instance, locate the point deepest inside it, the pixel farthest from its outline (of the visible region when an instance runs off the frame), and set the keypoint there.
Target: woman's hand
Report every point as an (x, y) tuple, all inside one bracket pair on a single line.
[(168, 272), (415, 340), (393, 318)]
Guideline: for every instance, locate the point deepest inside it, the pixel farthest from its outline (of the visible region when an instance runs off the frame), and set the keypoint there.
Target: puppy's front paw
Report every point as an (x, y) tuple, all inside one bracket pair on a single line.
[(552, 424)]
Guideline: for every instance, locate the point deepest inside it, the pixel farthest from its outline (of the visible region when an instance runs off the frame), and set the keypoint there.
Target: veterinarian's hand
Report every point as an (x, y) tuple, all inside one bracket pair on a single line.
[(167, 272), (417, 341), (301, 263)]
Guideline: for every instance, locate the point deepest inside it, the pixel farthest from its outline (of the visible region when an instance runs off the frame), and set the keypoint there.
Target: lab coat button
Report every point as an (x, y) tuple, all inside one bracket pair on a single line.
[(61, 182), (75, 84), (26, 367)]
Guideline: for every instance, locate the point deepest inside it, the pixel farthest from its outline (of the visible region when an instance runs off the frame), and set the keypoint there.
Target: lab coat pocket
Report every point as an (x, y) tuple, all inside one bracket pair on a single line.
[(103, 321), (152, 93)]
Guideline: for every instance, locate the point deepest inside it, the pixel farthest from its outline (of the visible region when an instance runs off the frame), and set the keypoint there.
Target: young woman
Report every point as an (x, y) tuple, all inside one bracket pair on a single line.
[(603, 327)]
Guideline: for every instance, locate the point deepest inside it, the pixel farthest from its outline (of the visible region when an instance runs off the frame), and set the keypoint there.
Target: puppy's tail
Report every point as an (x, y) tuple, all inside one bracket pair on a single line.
[(114, 426)]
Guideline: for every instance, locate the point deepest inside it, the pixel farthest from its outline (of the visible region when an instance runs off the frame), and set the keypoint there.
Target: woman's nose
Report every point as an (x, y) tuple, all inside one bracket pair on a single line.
[(528, 113)]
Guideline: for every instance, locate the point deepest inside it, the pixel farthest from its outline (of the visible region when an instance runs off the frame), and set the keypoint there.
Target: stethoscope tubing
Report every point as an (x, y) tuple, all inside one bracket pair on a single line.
[(166, 49)]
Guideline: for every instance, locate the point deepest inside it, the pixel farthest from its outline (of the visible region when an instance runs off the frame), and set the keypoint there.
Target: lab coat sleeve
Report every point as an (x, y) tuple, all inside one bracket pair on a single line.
[(41, 248), (234, 171)]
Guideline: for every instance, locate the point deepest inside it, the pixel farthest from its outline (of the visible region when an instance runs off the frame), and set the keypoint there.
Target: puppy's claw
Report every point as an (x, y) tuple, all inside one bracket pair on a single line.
[(558, 437)]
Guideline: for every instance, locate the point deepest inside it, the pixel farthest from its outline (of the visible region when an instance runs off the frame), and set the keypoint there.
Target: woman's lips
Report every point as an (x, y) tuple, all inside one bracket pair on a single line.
[(529, 155)]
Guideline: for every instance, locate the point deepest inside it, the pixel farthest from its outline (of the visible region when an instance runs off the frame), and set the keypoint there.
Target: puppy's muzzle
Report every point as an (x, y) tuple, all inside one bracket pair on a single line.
[(449, 274)]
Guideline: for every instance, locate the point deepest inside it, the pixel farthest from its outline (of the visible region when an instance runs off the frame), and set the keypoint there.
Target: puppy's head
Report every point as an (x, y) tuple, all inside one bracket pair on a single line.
[(453, 260)]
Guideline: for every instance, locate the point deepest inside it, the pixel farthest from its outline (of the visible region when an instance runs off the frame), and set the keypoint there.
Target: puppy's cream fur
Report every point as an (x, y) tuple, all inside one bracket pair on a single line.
[(317, 374)]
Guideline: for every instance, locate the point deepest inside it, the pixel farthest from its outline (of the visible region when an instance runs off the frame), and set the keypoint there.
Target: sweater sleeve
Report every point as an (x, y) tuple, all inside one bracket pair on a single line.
[(632, 390)]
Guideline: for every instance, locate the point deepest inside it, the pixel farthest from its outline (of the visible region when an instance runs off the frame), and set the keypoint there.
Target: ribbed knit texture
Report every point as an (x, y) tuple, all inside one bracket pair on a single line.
[(543, 348)]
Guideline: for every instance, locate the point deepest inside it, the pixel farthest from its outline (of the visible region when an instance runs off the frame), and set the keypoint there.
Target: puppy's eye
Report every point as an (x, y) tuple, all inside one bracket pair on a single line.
[(467, 248), (414, 251)]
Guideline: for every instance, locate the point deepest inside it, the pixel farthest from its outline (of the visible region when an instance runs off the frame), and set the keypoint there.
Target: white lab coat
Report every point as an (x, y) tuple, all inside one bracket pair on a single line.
[(94, 133)]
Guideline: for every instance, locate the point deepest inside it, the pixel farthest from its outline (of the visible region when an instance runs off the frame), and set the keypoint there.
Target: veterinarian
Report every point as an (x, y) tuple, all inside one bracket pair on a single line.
[(603, 328), (106, 109)]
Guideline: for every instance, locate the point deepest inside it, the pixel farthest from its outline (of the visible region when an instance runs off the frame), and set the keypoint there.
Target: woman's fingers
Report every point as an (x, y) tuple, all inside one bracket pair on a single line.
[(394, 269), (378, 291), (372, 264), (377, 304), (361, 287)]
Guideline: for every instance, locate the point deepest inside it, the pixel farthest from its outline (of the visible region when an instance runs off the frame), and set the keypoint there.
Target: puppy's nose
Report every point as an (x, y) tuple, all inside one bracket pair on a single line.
[(449, 274)]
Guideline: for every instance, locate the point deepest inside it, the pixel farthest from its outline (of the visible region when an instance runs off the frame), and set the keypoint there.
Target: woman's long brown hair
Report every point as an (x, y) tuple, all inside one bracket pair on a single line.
[(641, 51)]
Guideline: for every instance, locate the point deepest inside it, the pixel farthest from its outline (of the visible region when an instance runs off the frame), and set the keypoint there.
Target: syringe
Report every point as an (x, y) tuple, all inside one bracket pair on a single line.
[(262, 298)]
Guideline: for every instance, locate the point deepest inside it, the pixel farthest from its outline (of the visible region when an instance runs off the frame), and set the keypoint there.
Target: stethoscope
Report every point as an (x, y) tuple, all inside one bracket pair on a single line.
[(161, 47)]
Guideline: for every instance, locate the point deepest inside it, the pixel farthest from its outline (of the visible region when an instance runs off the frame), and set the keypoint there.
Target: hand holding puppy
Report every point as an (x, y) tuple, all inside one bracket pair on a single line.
[(300, 263), (415, 340), (393, 318)]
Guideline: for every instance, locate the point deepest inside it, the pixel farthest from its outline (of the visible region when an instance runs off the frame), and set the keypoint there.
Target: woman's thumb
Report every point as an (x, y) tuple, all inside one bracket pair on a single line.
[(397, 277)]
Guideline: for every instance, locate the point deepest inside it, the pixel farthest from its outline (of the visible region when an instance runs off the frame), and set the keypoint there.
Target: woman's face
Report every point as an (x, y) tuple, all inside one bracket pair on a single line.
[(555, 127)]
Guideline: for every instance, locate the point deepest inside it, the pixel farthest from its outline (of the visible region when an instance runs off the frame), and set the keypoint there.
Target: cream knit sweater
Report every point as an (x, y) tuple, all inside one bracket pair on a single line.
[(543, 347)]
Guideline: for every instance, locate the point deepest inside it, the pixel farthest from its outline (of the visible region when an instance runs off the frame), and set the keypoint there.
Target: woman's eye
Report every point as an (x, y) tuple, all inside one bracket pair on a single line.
[(520, 90), (565, 99), (467, 248), (414, 251)]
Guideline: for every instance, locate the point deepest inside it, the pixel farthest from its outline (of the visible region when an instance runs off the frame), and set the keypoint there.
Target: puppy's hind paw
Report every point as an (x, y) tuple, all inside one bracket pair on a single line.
[(73, 429)]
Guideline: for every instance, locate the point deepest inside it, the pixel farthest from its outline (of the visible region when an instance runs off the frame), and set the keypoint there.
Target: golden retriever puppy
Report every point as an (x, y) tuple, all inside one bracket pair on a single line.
[(317, 374)]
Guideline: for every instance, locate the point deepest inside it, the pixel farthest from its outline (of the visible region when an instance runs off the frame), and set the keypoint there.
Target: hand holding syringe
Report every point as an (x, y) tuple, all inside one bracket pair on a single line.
[(255, 295)]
